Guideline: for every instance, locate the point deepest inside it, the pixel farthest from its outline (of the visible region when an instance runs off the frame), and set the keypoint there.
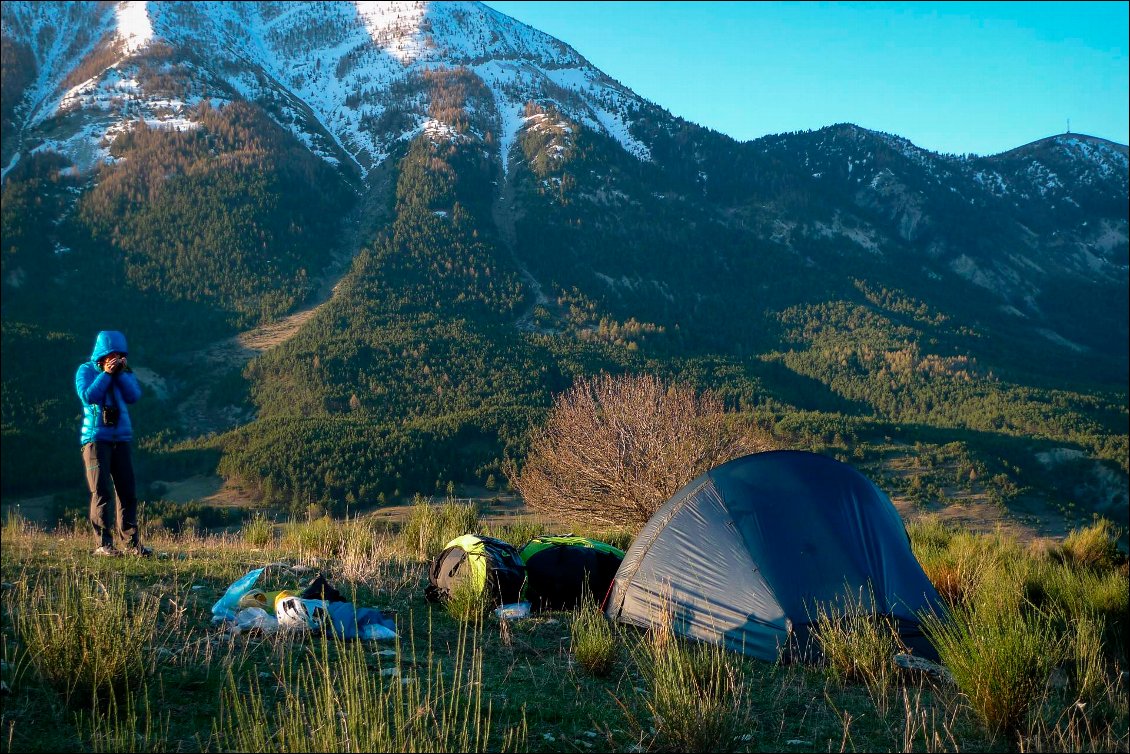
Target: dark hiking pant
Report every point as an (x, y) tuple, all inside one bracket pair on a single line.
[(109, 467)]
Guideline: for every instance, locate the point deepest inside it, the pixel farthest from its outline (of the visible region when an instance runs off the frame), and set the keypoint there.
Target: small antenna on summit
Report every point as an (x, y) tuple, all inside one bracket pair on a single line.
[(1069, 125)]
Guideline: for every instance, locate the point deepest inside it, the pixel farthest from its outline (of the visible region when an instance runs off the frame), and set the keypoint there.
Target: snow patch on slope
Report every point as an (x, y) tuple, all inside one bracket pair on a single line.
[(134, 26)]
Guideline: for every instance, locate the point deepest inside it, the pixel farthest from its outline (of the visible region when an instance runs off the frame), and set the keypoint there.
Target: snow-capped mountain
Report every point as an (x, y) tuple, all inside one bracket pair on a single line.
[(1053, 208), (336, 74), (356, 82), (495, 216)]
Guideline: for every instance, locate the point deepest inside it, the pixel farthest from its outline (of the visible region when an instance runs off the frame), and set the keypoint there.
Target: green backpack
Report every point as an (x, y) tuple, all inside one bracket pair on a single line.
[(559, 570), (493, 567)]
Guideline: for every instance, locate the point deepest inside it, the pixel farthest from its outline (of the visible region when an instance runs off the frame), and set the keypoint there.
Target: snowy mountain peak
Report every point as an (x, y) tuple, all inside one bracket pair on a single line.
[(343, 77)]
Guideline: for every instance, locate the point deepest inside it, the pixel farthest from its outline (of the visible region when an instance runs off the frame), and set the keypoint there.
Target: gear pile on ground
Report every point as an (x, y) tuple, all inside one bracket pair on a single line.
[(319, 607)]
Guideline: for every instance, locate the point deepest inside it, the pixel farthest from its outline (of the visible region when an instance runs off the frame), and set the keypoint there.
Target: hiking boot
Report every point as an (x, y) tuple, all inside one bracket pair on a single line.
[(108, 551), (139, 550)]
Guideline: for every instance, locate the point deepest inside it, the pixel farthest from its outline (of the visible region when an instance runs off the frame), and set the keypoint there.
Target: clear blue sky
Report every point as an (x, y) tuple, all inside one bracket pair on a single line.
[(951, 77)]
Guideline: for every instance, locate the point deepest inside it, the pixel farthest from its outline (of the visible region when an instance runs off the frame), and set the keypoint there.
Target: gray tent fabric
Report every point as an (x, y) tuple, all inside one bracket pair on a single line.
[(744, 554)]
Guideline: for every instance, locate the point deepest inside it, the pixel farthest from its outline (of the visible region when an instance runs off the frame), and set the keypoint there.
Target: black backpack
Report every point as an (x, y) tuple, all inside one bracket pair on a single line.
[(493, 565)]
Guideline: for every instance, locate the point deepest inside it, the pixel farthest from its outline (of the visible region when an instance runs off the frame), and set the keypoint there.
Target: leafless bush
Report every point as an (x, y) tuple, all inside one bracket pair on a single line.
[(614, 449)]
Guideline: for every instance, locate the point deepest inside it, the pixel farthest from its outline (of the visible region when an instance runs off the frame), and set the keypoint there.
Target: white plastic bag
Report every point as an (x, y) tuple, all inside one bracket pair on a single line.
[(513, 611), (376, 631), (256, 617)]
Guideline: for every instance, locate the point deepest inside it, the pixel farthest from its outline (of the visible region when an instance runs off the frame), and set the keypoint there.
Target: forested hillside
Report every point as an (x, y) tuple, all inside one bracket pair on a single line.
[(185, 237), (955, 323)]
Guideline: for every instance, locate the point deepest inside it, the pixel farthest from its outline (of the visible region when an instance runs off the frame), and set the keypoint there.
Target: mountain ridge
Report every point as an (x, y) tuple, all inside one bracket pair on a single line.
[(204, 159)]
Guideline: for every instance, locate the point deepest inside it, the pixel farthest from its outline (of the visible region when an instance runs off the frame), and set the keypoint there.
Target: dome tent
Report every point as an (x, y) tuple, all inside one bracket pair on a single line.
[(560, 568), (746, 553), (493, 566)]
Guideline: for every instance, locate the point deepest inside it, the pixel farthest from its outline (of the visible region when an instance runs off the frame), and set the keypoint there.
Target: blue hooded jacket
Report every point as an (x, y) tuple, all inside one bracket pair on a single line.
[(96, 388)]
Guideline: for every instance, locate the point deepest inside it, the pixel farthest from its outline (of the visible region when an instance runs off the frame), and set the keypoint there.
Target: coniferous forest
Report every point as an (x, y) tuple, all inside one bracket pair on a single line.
[(437, 353)]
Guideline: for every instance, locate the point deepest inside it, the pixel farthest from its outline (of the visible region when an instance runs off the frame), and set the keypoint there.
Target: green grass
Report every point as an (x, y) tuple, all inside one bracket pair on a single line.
[(519, 530), (483, 684), (320, 537), (858, 647), (1001, 661), (86, 635), (334, 699), (430, 526), (698, 694), (467, 602), (1094, 546), (593, 642), (258, 532)]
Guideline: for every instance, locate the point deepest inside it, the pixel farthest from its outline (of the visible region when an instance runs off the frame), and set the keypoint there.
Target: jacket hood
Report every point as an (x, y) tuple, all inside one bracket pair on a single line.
[(107, 342)]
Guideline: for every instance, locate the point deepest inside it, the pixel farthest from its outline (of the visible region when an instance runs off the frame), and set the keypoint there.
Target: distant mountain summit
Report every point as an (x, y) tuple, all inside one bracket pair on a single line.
[(337, 75), (499, 216)]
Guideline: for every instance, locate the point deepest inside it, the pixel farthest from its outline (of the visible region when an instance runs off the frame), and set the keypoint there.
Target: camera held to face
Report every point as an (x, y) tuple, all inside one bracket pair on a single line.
[(110, 415)]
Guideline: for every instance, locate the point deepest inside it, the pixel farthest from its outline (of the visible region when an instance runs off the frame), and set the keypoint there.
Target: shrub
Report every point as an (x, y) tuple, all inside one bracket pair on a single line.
[(593, 642), (614, 449), (88, 638)]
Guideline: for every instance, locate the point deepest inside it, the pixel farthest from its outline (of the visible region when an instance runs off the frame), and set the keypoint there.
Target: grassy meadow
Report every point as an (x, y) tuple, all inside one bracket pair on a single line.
[(120, 654)]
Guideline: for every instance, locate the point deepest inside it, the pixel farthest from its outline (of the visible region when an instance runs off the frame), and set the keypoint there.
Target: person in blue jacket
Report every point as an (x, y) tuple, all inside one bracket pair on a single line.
[(106, 386)]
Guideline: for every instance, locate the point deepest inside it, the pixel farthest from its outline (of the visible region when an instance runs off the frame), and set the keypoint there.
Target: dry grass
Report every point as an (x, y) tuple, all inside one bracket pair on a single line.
[(89, 638), (662, 693)]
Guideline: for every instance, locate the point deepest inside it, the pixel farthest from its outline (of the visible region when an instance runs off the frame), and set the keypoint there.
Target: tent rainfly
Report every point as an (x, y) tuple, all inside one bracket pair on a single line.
[(746, 553)]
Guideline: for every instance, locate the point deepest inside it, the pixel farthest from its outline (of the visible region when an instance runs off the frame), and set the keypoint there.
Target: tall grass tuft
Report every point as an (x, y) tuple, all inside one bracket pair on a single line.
[(15, 525), (362, 554), (618, 537), (430, 526), (859, 646), (1073, 595), (593, 643), (320, 538), (87, 637), (1000, 658), (518, 531), (1094, 546), (123, 727), (258, 532), (1088, 663), (699, 699), (333, 701), (958, 567), (467, 602)]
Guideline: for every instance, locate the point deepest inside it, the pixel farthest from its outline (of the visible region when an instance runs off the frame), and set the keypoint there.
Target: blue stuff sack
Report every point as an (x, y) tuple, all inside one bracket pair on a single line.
[(227, 606)]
